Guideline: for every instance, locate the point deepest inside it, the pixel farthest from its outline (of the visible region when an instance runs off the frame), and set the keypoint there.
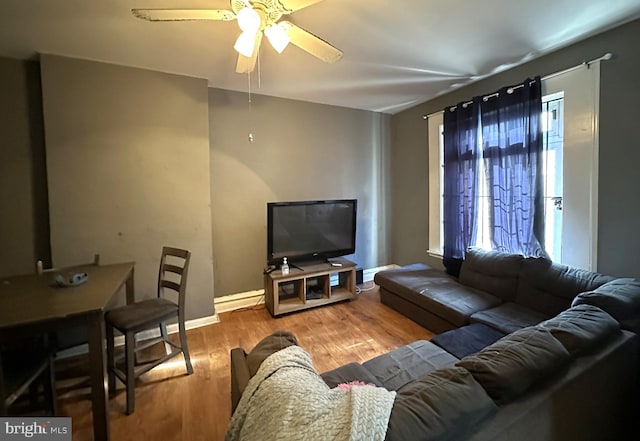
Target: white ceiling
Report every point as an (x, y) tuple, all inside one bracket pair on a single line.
[(396, 53)]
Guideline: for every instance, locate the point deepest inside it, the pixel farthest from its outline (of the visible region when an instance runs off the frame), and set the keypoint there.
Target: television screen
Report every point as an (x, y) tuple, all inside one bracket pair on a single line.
[(310, 230)]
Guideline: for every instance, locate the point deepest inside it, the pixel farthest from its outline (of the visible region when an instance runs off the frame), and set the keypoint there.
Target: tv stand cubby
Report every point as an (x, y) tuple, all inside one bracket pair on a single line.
[(309, 285)]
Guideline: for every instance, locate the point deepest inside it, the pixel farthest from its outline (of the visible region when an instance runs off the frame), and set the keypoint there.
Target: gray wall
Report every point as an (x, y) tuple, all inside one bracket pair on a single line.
[(619, 180), (24, 236), (301, 151), (128, 170)]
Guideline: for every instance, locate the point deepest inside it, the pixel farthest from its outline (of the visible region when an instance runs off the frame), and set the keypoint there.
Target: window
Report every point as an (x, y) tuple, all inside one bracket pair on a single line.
[(570, 108), (552, 127)]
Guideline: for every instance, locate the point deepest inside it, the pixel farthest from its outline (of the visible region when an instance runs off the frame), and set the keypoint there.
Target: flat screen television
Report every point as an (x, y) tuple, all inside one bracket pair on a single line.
[(310, 230)]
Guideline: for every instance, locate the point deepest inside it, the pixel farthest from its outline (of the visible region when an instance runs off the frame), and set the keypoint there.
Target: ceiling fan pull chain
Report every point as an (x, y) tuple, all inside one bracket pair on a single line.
[(250, 136)]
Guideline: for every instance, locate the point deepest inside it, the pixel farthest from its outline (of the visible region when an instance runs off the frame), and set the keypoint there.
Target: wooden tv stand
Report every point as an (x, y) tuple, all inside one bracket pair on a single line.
[(309, 285)]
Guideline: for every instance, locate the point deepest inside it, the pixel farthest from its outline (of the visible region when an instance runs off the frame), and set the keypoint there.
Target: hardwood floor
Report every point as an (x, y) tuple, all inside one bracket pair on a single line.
[(173, 406)]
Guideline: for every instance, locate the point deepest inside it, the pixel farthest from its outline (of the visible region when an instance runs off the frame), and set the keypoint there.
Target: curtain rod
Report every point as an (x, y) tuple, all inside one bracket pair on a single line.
[(586, 64)]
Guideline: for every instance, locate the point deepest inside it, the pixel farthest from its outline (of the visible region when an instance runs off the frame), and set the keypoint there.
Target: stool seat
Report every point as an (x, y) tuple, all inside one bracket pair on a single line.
[(137, 316)]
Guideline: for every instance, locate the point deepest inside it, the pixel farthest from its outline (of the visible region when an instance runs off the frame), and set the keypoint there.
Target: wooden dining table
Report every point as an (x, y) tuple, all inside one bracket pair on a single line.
[(36, 304)]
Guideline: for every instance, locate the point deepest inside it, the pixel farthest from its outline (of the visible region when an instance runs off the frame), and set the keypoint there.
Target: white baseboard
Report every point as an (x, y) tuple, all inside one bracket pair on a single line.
[(238, 301), (367, 275), (247, 299)]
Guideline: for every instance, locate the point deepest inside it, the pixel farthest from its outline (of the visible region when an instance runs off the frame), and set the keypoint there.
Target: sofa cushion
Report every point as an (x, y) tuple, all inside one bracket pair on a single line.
[(467, 340), (581, 327), (436, 291), (509, 367), (445, 404), (549, 287), (620, 298), (492, 272), (349, 373), (508, 317), (408, 363), (267, 346)]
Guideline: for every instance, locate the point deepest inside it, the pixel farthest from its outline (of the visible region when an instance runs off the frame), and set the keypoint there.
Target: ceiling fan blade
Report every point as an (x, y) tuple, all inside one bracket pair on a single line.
[(247, 64), (316, 46), (294, 5), (183, 14)]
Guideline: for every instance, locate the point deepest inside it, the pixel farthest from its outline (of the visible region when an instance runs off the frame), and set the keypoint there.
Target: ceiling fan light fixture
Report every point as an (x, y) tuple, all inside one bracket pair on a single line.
[(245, 44), (277, 37), (249, 20), (255, 18)]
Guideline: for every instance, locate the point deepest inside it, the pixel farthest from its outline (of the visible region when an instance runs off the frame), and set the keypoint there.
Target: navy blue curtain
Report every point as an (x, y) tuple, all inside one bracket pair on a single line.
[(512, 151), (461, 165)]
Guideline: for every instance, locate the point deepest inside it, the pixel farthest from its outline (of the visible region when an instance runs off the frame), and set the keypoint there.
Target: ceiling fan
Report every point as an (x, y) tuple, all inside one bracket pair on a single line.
[(255, 18)]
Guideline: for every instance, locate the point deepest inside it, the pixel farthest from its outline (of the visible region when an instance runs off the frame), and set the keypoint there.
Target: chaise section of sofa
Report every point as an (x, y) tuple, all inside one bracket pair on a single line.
[(431, 297)]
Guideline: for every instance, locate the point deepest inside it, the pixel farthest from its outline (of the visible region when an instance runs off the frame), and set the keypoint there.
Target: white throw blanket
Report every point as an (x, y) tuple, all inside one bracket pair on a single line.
[(288, 400)]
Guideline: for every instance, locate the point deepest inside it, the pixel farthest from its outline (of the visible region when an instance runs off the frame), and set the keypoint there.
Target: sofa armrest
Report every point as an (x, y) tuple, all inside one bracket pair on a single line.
[(240, 375)]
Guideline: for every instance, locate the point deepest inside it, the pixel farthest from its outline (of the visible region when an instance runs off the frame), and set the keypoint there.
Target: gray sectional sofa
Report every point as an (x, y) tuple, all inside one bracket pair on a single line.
[(526, 350)]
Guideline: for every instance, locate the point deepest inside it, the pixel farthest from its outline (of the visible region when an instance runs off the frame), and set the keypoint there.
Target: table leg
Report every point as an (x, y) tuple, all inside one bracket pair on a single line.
[(99, 386), (129, 288)]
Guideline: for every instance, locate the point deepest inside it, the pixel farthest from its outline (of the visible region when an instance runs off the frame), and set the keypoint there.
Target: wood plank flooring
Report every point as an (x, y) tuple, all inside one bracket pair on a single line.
[(173, 406)]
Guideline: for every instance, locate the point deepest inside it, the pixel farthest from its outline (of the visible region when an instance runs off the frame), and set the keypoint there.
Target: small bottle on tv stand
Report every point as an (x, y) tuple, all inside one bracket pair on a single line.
[(285, 267)]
